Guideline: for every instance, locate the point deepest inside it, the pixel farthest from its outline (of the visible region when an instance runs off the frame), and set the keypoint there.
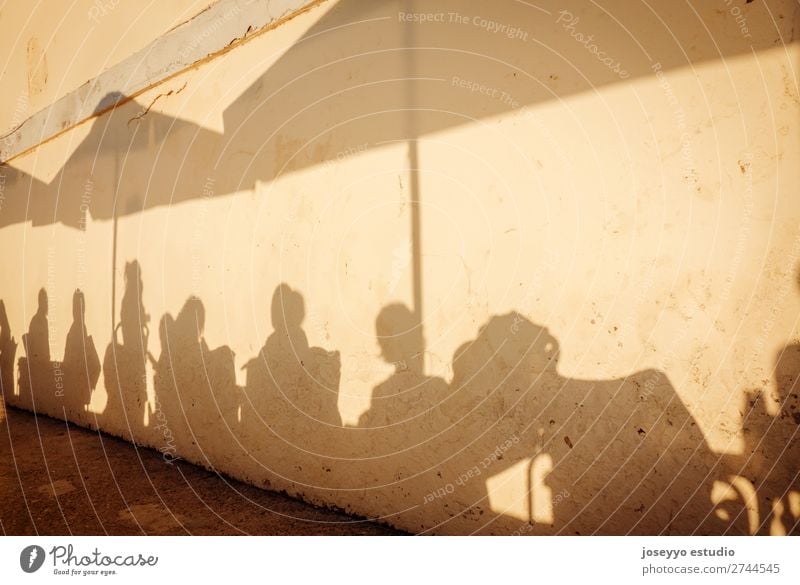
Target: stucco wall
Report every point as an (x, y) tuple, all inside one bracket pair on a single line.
[(458, 277)]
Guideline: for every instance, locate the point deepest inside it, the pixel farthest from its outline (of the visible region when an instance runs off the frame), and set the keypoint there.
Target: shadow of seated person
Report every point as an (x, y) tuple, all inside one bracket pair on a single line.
[(619, 456), (180, 373), (81, 363), (38, 376), (125, 362), (291, 394), (8, 350), (404, 410), (761, 494), (37, 340), (196, 393)]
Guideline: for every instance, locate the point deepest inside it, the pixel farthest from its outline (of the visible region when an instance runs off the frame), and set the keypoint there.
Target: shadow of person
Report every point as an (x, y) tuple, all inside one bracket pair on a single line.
[(179, 371), (37, 340), (196, 397), (616, 456), (773, 444), (125, 362), (403, 415), (761, 495), (8, 350), (309, 376), (81, 364), (287, 344), (37, 374), (292, 390)]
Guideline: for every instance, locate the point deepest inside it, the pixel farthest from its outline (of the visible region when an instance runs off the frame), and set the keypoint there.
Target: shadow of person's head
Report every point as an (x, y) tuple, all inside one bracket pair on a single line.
[(42, 302), (507, 343), (400, 338), (133, 275), (191, 319), (519, 342), (288, 308), (78, 306)]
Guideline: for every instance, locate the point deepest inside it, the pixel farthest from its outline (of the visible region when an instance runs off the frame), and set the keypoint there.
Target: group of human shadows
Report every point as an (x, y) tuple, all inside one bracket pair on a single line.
[(612, 456)]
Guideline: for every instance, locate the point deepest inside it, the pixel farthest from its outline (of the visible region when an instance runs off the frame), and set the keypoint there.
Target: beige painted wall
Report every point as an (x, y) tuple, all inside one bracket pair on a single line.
[(605, 263)]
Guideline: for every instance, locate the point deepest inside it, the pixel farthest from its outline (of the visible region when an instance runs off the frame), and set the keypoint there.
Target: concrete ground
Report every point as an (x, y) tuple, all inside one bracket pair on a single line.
[(59, 479)]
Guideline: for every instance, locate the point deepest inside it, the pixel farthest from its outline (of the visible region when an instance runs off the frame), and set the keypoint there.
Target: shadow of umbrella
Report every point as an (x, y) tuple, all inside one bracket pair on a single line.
[(367, 75), (18, 190), (130, 162), (125, 165)]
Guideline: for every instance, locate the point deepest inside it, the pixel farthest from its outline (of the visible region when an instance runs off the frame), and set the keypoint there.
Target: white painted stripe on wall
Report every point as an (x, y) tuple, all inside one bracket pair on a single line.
[(221, 27)]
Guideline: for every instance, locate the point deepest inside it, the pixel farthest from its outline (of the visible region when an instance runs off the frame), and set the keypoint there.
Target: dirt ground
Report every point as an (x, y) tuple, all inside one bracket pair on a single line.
[(59, 479)]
